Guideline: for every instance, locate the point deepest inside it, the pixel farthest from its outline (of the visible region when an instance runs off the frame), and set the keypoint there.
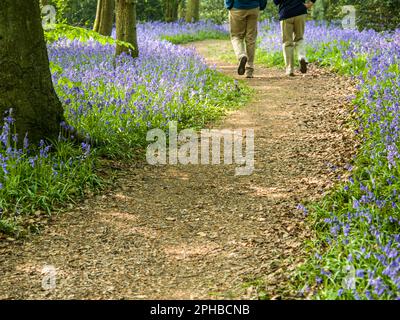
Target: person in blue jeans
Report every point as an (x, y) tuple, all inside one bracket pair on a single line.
[(243, 21), (293, 14)]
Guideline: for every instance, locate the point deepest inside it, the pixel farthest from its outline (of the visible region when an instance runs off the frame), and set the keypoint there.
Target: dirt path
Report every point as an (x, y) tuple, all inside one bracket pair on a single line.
[(191, 232)]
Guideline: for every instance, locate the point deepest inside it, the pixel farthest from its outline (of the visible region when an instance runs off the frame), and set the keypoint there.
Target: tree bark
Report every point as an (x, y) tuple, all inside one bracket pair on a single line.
[(25, 79), (171, 10), (44, 2), (126, 26), (104, 17), (182, 9), (193, 11)]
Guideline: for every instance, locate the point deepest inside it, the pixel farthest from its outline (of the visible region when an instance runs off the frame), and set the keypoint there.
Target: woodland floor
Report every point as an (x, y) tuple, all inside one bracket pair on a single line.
[(200, 232)]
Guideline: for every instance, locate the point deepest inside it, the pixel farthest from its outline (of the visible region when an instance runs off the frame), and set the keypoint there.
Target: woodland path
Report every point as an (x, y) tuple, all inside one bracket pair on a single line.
[(200, 232)]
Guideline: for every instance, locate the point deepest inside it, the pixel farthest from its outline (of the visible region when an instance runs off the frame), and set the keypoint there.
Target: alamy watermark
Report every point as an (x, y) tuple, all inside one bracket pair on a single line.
[(49, 280), (349, 281), (49, 14), (192, 147), (349, 20)]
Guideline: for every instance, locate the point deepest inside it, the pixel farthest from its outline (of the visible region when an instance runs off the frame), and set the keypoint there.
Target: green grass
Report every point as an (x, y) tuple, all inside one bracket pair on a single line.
[(262, 58), (202, 35), (43, 183)]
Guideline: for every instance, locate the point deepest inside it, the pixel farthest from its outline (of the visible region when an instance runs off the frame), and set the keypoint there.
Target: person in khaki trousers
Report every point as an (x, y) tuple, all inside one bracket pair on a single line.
[(243, 20), (293, 15)]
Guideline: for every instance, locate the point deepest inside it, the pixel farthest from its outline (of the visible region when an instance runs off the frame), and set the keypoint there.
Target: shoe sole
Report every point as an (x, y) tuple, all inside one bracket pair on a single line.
[(303, 66), (242, 66)]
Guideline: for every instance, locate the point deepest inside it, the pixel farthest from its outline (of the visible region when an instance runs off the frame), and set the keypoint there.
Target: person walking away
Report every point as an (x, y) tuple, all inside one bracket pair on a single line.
[(243, 20), (293, 15)]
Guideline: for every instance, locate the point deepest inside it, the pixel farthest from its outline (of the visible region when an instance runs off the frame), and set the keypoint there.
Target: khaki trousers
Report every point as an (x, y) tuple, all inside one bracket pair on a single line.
[(244, 29), (293, 40)]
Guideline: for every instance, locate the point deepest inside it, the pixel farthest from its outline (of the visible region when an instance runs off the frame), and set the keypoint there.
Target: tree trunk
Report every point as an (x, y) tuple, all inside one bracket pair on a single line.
[(182, 9), (193, 11), (126, 26), (104, 17), (25, 79), (171, 10), (44, 2)]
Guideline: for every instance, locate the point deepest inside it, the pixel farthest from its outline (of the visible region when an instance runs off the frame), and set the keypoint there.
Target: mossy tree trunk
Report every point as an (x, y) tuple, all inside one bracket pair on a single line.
[(126, 26), (193, 11), (171, 10), (182, 9), (25, 79), (104, 17)]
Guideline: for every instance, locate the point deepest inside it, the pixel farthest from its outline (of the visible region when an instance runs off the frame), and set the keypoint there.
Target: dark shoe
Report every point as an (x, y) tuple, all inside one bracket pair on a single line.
[(249, 73), (303, 66), (242, 65), (289, 73)]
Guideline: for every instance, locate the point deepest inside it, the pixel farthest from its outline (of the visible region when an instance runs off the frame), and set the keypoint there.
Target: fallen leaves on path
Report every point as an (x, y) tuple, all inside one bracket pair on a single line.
[(198, 232)]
